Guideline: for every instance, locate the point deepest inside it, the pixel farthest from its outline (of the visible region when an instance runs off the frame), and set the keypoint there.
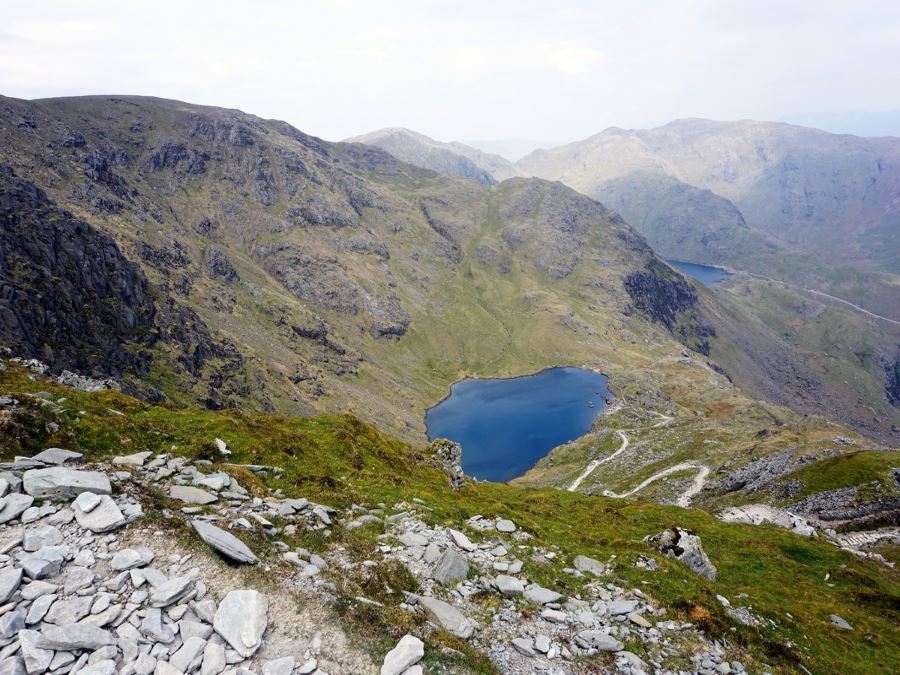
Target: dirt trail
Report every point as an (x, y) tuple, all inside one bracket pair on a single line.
[(597, 462), (684, 500), (593, 464)]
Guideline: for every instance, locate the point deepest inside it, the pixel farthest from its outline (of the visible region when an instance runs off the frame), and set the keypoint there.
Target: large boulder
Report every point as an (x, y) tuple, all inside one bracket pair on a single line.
[(63, 484), (241, 620), (685, 547), (224, 542)]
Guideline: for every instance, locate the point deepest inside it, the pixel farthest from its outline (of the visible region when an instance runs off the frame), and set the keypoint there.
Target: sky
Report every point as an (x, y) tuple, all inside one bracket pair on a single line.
[(461, 70)]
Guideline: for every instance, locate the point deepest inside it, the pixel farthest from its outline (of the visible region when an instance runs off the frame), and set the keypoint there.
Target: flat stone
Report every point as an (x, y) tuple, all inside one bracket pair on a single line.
[(595, 639), (61, 483), (224, 542), (447, 617), (11, 623), (163, 668), (508, 585), (64, 612), (618, 607), (408, 652), (450, 568), (282, 666), (58, 456), (462, 541), (525, 646), (87, 501), (137, 459), (75, 636), (505, 525), (104, 517), (47, 562), (33, 590), (39, 609), (37, 659), (171, 591), (14, 505), (76, 578), (191, 495), (840, 622), (213, 659), (154, 628), (241, 620), (191, 649), (38, 537), (540, 595), (10, 579), (584, 564), (639, 620), (413, 539), (131, 558), (542, 643), (12, 665)]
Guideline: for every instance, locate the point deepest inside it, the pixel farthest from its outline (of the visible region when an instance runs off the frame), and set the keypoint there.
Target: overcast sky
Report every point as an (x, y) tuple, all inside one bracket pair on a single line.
[(551, 70)]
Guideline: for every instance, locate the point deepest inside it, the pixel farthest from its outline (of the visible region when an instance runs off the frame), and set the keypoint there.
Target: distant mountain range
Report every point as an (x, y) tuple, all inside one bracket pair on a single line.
[(771, 198)]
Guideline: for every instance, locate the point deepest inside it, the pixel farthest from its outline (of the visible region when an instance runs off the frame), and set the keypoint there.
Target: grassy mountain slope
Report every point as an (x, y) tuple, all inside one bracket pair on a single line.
[(792, 584), (296, 275)]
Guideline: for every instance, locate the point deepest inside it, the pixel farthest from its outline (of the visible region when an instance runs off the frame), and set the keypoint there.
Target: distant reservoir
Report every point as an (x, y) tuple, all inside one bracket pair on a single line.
[(506, 425), (707, 275)]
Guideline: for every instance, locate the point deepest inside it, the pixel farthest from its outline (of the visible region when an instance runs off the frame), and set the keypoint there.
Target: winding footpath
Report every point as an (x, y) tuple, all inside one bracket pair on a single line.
[(597, 462), (684, 500)]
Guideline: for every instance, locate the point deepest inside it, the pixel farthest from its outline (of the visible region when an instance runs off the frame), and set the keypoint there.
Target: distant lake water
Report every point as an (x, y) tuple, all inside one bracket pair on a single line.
[(707, 275), (506, 425)]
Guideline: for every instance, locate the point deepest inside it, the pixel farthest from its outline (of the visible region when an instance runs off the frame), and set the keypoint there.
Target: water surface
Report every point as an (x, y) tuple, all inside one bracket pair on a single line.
[(708, 275), (506, 425)]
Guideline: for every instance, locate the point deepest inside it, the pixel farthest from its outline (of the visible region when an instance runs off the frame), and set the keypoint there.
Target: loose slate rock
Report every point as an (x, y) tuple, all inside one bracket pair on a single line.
[(191, 495), (75, 636), (589, 565), (224, 542), (446, 616), (14, 505), (171, 591), (595, 639), (104, 517), (540, 595), (408, 652), (241, 619), (57, 482), (131, 558), (137, 459), (505, 525), (10, 579), (450, 568), (58, 456)]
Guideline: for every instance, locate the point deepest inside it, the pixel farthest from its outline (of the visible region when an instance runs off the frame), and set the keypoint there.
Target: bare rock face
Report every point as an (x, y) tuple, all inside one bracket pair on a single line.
[(685, 547), (449, 454), (75, 301)]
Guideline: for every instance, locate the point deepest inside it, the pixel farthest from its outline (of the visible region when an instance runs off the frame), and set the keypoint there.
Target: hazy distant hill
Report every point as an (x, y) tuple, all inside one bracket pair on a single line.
[(858, 123), (832, 195), (454, 159)]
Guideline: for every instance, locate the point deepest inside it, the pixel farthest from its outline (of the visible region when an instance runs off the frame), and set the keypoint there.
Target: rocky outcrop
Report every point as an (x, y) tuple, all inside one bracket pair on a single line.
[(449, 454), (685, 547), (67, 294)]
